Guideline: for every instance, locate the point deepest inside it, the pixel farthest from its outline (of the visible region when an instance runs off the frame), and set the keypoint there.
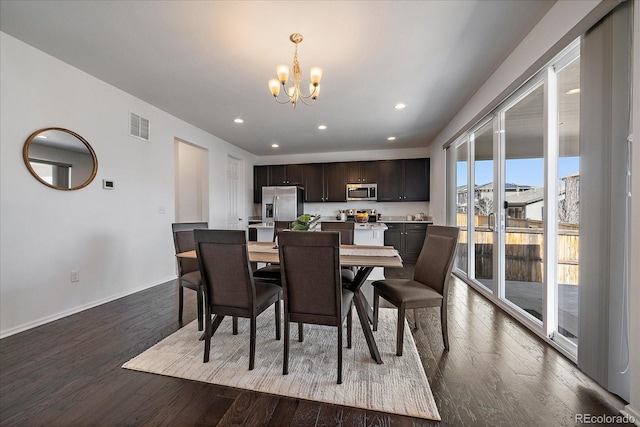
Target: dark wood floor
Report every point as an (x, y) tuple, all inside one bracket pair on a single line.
[(67, 373)]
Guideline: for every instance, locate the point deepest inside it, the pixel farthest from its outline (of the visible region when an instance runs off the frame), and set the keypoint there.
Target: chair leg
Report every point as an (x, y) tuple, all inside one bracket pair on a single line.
[(285, 359), (180, 300), (300, 332), (443, 321), (277, 320), (207, 337), (252, 344), (415, 318), (349, 325), (376, 307), (235, 325), (400, 337), (340, 354), (200, 296)]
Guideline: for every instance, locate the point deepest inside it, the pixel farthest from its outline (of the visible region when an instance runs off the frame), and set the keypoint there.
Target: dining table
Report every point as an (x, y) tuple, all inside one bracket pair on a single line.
[(364, 257)]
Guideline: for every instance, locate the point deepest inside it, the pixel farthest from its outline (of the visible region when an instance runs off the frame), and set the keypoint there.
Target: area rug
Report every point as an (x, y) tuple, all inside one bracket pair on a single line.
[(397, 386)]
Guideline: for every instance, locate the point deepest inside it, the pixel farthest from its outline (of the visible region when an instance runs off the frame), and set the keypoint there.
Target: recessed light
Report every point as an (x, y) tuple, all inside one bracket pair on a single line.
[(238, 120), (399, 106), (573, 91), (275, 145), (391, 138), (322, 127)]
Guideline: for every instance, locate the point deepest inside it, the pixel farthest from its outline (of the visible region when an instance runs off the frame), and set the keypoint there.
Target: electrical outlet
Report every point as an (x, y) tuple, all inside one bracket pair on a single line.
[(75, 276), (162, 210)]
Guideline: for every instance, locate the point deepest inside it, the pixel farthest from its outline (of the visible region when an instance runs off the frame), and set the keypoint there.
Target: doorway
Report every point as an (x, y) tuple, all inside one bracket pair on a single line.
[(192, 182)]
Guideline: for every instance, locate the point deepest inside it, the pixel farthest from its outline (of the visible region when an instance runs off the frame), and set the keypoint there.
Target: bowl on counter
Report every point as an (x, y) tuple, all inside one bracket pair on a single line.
[(362, 217)]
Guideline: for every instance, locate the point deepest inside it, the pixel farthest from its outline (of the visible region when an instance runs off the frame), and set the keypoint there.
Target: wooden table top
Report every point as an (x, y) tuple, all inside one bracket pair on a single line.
[(350, 255)]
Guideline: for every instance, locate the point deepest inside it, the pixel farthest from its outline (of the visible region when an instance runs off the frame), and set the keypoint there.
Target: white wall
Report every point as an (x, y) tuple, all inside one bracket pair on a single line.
[(115, 238)]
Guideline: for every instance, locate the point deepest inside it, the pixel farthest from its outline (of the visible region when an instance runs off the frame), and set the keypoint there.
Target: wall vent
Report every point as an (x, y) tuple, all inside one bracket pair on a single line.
[(138, 127)]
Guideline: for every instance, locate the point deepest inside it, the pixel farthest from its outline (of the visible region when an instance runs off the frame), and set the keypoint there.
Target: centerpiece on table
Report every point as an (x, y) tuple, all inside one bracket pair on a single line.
[(305, 222)]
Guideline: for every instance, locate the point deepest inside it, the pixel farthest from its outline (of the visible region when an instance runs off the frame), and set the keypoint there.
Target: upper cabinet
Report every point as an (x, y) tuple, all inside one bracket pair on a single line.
[(335, 178), (285, 175), (362, 172), (260, 179), (325, 182), (275, 175), (404, 180), (313, 182)]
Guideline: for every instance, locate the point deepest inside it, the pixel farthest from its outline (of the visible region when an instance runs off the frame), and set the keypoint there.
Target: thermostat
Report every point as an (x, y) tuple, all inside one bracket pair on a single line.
[(107, 184)]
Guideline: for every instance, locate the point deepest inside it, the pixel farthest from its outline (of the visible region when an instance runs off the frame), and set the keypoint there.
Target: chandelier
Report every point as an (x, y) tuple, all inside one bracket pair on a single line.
[(293, 92)]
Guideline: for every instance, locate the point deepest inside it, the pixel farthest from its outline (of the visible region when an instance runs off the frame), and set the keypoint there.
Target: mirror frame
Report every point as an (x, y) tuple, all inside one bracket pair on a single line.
[(25, 157)]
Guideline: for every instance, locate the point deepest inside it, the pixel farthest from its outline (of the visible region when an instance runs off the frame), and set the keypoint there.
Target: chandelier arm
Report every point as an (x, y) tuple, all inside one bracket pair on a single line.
[(302, 99)]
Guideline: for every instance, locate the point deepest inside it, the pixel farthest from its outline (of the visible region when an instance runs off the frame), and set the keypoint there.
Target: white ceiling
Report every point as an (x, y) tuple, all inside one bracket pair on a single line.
[(208, 62)]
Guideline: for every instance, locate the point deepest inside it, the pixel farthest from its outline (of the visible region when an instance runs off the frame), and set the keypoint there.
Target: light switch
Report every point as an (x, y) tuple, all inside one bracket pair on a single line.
[(107, 184)]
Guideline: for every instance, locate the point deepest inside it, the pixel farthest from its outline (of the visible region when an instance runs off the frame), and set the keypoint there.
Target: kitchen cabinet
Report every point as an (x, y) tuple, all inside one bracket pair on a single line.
[(275, 175), (325, 182), (407, 238), (313, 182), (286, 175), (260, 179), (362, 172), (405, 180), (335, 180)]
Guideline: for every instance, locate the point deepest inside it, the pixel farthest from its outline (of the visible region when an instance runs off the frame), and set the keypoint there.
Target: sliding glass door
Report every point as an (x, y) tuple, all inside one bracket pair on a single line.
[(517, 199)]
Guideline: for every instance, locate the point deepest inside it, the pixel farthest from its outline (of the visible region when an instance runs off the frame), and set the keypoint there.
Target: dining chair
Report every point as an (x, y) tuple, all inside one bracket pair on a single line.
[(188, 271), (346, 230), (313, 292), (229, 286), (429, 286), (272, 271)]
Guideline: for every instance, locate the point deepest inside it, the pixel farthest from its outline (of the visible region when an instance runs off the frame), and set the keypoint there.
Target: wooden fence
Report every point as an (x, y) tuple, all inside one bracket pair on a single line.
[(524, 250)]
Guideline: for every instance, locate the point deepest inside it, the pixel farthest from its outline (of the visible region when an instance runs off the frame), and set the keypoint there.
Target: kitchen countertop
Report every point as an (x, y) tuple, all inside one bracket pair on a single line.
[(359, 226)]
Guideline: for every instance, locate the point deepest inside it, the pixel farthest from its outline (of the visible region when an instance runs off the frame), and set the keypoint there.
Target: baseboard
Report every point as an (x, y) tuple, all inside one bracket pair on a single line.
[(56, 316)]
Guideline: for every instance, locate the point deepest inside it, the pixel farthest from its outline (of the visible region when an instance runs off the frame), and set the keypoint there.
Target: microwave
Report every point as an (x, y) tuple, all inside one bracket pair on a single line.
[(362, 191)]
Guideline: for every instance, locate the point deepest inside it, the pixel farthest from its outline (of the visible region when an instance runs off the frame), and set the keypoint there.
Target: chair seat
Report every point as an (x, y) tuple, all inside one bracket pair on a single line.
[(266, 292), (407, 291), (347, 298), (271, 272), (191, 280), (347, 275)]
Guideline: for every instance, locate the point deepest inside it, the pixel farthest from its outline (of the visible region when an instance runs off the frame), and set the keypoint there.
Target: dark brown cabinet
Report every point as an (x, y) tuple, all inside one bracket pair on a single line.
[(286, 175), (325, 182), (275, 175), (362, 172), (335, 179), (313, 182), (407, 238), (403, 180), (260, 179)]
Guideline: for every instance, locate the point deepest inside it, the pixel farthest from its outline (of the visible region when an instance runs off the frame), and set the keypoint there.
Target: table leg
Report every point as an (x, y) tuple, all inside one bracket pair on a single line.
[(363, 314), (217, 319), (361, 309)]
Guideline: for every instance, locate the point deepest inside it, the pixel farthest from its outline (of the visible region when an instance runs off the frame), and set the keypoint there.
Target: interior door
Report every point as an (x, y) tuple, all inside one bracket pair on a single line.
[(235, 205)]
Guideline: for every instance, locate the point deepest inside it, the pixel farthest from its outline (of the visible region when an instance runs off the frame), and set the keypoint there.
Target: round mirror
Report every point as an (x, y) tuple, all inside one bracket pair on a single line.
[(60, 158)]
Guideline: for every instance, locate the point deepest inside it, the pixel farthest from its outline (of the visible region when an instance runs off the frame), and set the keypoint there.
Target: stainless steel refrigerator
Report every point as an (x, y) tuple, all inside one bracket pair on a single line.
[(282, 203)]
